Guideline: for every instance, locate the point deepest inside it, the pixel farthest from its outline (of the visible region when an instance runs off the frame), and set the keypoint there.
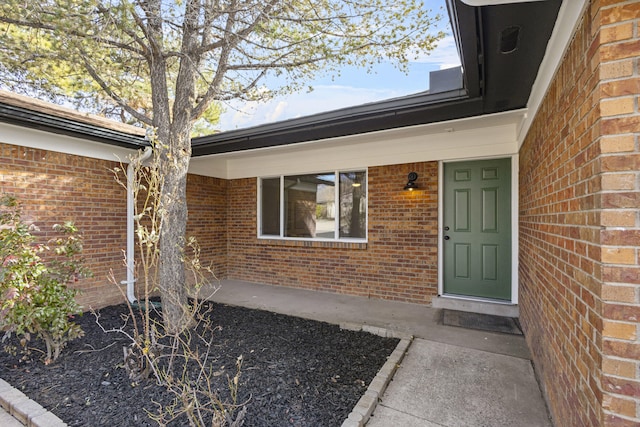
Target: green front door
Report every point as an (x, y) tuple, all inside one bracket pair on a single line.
[(477, 229)]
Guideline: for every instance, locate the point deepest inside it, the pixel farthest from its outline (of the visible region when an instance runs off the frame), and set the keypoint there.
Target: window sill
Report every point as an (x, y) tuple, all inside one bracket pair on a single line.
[(313, 243)]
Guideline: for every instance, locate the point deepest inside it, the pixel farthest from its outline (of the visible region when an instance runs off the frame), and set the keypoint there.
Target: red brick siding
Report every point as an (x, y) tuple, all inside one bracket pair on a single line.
[(579, 195), (619, 47), (53, 188), (399, 262), (207, 204)]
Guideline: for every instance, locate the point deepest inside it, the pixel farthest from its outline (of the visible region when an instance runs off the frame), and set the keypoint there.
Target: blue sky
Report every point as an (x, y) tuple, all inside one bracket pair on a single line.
[(353, 87)]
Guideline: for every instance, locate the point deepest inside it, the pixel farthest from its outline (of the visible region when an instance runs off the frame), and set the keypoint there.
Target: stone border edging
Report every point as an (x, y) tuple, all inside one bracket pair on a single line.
[(25, 410), (367, 403)]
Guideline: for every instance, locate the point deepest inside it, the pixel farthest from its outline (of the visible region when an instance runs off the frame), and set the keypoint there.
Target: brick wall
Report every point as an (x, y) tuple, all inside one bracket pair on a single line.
[(207, 204), (399, 262), (579, 228), (619, 50), (53, 188)]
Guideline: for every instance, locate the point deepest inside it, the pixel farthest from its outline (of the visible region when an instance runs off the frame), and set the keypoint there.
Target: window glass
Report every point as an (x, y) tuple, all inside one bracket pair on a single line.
[(353, 204), (310, 210), (328, 206), (270, 207)]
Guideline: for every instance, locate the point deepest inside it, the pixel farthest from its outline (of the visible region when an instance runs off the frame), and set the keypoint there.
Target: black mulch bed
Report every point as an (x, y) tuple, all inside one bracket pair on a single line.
[(295, 372)]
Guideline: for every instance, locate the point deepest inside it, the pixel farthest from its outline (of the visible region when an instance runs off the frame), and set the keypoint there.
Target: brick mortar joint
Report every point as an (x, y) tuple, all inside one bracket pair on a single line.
[(619, 377), (624, 417), (618, 340)]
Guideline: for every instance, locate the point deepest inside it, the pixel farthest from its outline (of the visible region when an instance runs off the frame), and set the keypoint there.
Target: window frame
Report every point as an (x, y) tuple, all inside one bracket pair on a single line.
[(282, 208)]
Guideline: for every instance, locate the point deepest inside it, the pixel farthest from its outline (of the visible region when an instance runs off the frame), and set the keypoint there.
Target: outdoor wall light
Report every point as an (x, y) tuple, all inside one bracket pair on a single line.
[(411, 182)]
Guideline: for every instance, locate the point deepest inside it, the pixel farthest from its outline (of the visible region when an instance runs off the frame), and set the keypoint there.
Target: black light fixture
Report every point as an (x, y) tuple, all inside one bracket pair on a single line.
[(411, 182)]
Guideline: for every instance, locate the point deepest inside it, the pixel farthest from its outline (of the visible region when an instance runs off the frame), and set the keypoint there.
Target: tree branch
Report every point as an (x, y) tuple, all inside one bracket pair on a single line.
[(232, 42), (73, 32), (107, 89)]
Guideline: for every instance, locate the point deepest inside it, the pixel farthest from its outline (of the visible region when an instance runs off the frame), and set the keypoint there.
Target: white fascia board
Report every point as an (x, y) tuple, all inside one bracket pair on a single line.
[(477, 137), (42, 140), (566, 24)]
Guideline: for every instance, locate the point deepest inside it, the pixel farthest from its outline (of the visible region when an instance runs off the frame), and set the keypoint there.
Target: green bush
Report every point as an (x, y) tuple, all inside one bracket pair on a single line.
[(33, 281)]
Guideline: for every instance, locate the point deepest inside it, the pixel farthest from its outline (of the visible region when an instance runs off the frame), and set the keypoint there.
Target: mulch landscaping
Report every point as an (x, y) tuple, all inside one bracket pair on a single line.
[(295, 372)]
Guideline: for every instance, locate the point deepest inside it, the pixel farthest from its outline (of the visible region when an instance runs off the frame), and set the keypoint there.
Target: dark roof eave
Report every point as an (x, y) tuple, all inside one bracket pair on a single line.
[(465, 27), (50, 123), (415, 109)]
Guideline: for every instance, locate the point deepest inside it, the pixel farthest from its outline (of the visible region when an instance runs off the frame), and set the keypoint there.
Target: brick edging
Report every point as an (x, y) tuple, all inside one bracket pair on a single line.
[(367, 403), (25, 410)]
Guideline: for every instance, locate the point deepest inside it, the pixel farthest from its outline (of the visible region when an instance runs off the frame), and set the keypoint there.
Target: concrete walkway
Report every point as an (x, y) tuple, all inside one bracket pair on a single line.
[(449, 376), (444, 385), (6, 420)]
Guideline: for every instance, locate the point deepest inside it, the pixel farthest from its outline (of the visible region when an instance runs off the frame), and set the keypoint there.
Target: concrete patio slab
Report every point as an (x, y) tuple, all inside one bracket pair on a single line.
[(385, 416), (417, 320)]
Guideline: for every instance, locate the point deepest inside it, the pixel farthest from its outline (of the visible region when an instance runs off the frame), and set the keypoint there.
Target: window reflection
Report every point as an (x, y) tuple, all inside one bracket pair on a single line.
[(328, 206), (270, 207), (310, 206), (353, 204)]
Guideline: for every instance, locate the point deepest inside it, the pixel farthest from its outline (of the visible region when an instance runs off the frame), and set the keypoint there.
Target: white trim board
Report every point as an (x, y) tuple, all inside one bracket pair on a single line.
[(42, 140)]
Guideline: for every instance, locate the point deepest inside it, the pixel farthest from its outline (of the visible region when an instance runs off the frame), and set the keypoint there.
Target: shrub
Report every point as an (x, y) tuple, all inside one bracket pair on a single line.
[(33, 281)]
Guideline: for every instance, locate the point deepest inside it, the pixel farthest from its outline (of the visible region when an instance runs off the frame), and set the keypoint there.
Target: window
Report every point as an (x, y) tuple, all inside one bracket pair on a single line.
[(323, 206)]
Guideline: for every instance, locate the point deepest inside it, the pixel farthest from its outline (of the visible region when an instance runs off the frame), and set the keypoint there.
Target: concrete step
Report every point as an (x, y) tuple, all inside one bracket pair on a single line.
[(493, 307)]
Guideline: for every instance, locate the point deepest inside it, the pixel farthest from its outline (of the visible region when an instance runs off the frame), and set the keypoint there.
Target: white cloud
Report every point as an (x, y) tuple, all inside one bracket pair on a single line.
[(445, 55), (279, 110)]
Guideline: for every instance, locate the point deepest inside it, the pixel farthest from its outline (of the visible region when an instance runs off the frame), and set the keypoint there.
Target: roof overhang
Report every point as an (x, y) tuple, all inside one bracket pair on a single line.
[(390, 114), (495, 80), (501, 48), (493, 135), (32, 113)]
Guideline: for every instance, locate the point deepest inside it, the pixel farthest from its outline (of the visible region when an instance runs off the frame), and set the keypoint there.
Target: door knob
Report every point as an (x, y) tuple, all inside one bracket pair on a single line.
[(446, 237), (446, 229)]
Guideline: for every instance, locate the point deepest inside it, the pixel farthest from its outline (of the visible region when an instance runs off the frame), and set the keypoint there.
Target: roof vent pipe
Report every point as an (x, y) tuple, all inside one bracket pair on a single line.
[(445, 80)]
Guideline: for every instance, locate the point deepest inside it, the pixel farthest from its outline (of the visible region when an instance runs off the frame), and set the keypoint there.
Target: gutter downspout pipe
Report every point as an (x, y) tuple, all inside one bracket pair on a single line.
[(130, 256)]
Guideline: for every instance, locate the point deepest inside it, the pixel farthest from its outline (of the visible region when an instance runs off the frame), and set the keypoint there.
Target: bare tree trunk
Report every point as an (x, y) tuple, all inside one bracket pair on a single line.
[(173, 202), (175, 156)]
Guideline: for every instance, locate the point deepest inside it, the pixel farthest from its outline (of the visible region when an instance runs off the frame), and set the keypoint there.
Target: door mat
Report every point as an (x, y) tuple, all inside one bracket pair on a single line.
[(484, 322)]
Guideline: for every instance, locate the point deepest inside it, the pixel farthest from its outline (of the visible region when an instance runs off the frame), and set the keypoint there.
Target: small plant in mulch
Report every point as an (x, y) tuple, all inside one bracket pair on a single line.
[(33, 282)]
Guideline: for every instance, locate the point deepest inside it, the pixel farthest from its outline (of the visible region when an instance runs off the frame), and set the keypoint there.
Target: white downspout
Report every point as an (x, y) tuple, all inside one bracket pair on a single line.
[(130, 256)]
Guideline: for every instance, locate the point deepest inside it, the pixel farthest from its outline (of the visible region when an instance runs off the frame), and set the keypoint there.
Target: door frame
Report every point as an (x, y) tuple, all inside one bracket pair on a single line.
[(514, 227)]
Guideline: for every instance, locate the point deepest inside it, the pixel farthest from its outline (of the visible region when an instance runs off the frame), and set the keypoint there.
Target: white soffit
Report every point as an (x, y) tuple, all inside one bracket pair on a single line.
[(33, 138), (481, 136), (566, 24)]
